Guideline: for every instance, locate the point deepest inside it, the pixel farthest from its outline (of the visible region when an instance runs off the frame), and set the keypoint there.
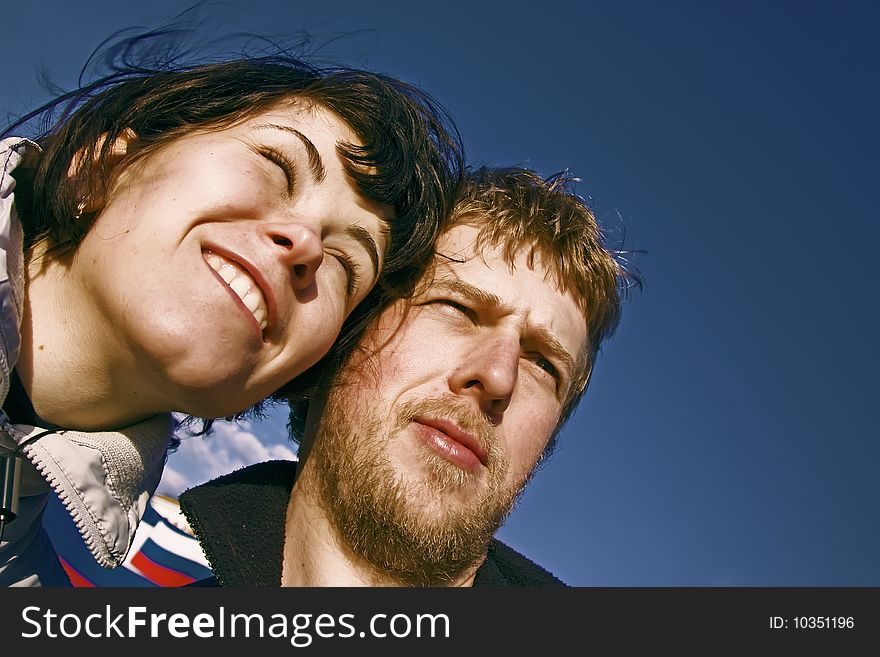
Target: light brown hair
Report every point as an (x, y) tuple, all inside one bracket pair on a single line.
[(516, 209), (519, 211)]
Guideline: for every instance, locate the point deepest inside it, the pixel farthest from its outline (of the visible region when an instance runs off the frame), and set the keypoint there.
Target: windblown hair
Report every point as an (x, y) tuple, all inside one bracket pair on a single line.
[(518, 211), (411, 158)]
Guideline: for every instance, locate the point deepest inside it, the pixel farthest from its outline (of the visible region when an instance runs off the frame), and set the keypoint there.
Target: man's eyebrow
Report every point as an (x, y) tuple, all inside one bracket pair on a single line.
[(540, 334), (366, 240), (554, 348), (316, 164), (472, 293)]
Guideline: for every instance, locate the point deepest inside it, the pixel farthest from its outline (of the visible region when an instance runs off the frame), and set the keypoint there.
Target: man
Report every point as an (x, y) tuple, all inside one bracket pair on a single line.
[(421, 444)]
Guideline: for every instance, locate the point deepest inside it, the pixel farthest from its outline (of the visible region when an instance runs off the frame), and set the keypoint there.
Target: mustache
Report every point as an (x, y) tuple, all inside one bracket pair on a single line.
[(452, 409)]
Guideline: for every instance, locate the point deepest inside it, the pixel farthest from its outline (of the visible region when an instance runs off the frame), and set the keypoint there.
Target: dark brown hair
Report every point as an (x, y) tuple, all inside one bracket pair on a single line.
[(411, 158)]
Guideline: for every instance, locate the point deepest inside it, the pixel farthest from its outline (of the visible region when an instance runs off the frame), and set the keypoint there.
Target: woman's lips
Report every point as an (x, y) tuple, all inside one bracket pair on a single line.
[(242, 283), (254, 294)]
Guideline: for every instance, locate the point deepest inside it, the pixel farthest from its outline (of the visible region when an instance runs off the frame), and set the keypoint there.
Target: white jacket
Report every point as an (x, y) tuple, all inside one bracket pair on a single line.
[(104, 479)]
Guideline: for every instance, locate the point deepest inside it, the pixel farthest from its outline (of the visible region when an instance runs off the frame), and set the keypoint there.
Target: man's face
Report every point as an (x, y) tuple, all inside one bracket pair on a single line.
[(431, 433)]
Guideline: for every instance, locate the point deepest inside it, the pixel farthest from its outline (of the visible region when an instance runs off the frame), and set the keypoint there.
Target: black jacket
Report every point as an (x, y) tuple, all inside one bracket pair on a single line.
[(239, 521)]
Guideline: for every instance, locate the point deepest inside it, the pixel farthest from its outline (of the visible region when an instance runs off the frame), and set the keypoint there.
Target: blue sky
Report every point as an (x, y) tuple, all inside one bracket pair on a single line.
[(730, 434)]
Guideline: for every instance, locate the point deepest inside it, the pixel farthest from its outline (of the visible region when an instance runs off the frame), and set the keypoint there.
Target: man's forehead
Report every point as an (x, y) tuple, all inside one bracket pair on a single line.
[(461, 260), (457, 243), (488, 279)]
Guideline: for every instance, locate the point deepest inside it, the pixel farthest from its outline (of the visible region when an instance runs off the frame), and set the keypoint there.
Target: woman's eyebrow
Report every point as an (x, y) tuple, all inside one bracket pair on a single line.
[(366, 240), (316, 164)]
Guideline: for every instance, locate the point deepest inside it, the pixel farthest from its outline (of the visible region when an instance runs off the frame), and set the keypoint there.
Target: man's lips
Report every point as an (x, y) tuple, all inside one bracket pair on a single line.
[(458, 445)]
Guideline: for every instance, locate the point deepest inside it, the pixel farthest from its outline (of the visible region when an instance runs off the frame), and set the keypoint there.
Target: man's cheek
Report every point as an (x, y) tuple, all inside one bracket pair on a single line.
[(525, 455)]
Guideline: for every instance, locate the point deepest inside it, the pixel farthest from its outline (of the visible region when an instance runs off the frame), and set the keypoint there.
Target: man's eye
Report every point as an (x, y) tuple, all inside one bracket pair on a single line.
[(281, 160), (352, 277), (454, 308), (545, 365)]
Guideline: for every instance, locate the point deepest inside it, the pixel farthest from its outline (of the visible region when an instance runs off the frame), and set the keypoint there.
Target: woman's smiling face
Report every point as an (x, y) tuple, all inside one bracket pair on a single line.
[(228, 260)]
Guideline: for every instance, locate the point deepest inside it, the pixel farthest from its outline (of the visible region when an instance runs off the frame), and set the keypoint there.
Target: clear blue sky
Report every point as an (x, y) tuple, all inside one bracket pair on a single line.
[(730, 434)]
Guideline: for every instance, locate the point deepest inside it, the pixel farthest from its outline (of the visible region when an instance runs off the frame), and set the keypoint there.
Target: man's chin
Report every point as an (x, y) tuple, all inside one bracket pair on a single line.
[(453, 484), (406, 512), (427, 541), (438, 511)]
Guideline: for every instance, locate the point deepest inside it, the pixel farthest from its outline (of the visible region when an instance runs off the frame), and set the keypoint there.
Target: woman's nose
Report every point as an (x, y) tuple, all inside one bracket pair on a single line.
[(301, 249)]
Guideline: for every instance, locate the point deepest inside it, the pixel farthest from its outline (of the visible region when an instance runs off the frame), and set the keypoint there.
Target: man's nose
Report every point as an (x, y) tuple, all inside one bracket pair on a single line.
[(300, 248), (488, 373)]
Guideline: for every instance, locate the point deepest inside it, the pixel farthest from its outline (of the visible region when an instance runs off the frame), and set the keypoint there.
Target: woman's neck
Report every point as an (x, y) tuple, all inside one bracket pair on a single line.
[(71, 364)]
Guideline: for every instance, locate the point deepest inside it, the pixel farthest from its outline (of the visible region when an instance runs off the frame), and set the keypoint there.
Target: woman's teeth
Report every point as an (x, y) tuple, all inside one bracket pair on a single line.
[(242, 284)]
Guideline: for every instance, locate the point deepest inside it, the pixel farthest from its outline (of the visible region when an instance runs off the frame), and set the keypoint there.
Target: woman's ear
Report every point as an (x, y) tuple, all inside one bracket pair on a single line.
[(120, 146), (89, 156)]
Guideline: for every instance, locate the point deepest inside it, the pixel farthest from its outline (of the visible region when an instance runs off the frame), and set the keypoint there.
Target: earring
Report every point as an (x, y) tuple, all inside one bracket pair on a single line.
[(80, 208)]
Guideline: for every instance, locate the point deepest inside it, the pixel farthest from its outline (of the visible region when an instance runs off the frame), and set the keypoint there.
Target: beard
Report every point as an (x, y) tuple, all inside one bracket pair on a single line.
[(418, 531)]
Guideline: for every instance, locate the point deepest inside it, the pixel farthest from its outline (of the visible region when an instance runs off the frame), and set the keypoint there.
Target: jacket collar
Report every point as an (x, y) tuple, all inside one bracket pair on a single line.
[(104, 479), (239, 521)]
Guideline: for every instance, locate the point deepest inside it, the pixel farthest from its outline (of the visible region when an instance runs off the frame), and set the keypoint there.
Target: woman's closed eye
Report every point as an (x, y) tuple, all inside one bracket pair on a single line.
[(352, 271), (282, 162)]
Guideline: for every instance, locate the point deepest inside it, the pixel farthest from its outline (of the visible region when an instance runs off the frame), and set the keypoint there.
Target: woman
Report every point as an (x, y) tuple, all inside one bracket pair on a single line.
[(190, 240)]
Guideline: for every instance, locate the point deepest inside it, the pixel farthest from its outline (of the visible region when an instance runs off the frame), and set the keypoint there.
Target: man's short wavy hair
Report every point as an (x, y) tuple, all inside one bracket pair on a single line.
[(518, 210)]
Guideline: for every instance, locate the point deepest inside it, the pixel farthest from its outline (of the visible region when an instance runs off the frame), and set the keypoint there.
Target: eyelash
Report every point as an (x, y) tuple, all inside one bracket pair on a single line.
[(552, 371), (351, 271), (282, 162), (464, 310), (348, 263)]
